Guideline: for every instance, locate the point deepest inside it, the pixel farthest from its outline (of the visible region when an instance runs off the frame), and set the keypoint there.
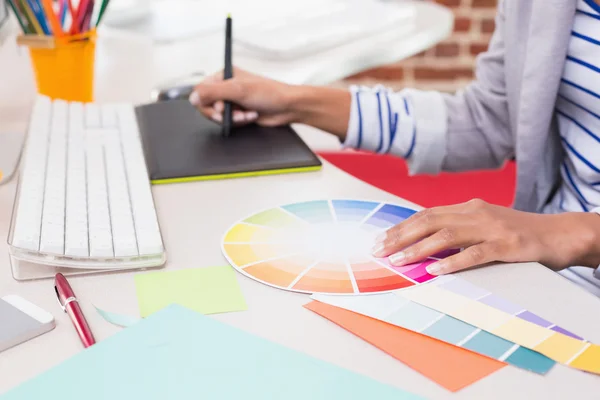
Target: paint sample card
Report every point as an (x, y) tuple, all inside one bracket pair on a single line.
[(205, 290), (476, 306), (322, 246), (397, 310), (432, 358)]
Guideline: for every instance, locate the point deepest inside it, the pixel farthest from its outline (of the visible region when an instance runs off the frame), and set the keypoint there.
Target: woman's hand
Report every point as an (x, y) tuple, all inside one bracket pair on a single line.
[(490, 233), (262, 100), (271, 103)]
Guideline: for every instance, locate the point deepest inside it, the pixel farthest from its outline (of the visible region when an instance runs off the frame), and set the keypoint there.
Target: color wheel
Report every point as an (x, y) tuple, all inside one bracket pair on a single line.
[(321, 246)]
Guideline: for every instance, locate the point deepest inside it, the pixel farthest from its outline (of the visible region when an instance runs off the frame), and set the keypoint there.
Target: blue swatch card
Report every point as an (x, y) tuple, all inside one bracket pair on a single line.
[(179, 354)]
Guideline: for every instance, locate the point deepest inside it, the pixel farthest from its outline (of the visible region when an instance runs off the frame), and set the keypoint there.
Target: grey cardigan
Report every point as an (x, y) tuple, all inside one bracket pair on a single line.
[(508, 110)]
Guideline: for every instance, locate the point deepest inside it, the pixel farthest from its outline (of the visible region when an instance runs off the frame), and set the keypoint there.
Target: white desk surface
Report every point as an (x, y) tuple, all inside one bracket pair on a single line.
[(193, 216)]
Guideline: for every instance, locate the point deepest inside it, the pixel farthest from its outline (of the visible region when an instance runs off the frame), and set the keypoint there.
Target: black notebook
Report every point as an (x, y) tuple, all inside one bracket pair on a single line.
[(182, 145)]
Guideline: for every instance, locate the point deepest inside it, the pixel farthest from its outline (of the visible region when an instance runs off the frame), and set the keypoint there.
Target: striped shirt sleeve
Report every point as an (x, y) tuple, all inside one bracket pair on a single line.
[(381, 121)]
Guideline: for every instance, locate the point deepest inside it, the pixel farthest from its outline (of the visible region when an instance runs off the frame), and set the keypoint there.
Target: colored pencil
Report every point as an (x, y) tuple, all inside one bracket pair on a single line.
[(39, 15), (37, 28), (102, 10), (80, 15), (87, 17), (25, 18), (52, 18), (13, 6), (62, 13), (42, 19), (73, 11)]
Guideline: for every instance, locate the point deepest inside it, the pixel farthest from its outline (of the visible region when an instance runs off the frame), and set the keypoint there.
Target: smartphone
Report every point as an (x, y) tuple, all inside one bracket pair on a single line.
[(21, 320)]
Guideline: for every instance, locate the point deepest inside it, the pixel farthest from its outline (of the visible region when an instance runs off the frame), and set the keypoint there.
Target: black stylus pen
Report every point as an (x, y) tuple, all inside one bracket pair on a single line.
[(228, 74)]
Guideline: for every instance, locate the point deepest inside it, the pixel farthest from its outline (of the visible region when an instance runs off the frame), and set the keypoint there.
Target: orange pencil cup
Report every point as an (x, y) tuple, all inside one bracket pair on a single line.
[(64, 69)]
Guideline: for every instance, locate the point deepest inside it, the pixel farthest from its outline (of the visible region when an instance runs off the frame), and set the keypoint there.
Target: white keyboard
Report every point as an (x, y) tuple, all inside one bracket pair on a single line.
[(84, 198)]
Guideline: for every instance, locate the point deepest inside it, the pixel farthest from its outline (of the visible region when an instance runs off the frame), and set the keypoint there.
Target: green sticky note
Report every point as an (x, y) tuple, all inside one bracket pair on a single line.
[(206, 290)]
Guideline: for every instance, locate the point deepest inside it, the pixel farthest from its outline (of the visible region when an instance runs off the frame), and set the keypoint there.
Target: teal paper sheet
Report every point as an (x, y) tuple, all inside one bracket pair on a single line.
[(179, 354)]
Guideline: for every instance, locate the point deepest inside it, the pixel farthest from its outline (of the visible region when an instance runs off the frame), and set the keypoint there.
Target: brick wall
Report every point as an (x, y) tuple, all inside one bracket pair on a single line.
[(449, 65)]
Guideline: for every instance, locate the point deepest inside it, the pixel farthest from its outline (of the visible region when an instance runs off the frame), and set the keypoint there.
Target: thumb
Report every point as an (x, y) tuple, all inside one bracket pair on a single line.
[(208, 93)]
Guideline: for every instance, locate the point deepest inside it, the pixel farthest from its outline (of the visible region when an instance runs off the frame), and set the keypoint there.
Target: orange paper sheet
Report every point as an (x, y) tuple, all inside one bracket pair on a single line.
[(449, 366)]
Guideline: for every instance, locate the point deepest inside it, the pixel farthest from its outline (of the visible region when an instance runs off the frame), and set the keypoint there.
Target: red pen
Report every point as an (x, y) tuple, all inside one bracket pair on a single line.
[(70, 305)]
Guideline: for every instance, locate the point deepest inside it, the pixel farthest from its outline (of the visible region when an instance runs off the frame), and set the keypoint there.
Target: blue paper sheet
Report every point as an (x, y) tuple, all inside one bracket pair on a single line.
[(179, 354)]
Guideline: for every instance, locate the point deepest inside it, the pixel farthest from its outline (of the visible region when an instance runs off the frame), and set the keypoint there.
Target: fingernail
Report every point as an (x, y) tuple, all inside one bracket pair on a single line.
[(217, 117), (381, 237), (251, 115), (435, 268), (379, 250), (219, 107), (194, 98), (398, 258), (238, 117)]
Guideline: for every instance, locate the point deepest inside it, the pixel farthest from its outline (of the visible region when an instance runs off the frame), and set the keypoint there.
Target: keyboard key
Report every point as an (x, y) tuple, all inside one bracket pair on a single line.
[(53, 214), (98, 211), (52, 241), (59, 117), (92, 116), (76, 120), (142, 204), (76, 219), (124, 239), (29, 210), (109, 116)]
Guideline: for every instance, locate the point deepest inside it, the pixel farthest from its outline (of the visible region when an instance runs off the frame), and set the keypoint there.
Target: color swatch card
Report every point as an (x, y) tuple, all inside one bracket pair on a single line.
[(179, 354), (479, 307), (321, 246), (206, 290), (396, 310), (449, 366)]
